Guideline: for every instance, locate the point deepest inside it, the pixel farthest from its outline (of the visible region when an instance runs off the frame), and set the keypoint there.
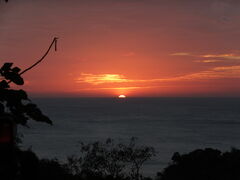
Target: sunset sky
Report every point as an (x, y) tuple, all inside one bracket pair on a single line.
[(133, 47)]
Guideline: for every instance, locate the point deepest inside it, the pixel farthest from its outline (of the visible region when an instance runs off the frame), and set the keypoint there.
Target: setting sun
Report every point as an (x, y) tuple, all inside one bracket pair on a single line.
[(121, 96)]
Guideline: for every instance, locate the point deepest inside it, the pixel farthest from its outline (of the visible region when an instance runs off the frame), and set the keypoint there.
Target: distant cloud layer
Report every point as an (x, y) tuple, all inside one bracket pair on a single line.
[(223, 72)]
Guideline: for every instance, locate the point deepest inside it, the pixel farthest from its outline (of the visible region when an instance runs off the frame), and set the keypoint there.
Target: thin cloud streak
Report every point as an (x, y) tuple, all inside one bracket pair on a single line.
[(124, 88), (224, 56), (229, 56), (222, 72), (101, 78), (119, 88), (208, 61), (181, 54)]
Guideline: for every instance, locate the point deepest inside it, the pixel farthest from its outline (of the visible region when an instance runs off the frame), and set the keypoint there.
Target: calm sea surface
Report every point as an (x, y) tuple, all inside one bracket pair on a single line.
[(168, 124)]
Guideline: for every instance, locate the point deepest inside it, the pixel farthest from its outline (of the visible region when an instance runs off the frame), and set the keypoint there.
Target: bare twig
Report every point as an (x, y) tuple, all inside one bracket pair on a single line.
[(42, 58), (46, 53)]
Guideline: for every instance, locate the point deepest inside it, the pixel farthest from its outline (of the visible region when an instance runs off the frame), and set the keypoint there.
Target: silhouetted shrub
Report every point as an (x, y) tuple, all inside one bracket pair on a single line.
[(52, 169), (28, 165), (108, 159), (136, 156), (207, 164), (99, 161)]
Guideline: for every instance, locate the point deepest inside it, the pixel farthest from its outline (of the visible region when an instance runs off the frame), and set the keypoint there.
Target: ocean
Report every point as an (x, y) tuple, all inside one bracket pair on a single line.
[(168, 124)]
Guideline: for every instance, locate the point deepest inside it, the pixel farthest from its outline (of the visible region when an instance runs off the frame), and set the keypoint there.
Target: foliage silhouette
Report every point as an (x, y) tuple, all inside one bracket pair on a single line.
[(15, 104), (207, 164), (201, 164), (53, 169), (108, 159), (137, 156), (28, 165), (16, 108), (31, 167)]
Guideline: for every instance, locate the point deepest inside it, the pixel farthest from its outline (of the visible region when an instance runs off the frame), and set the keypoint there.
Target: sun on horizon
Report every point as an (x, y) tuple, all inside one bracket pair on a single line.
[(121, 96)]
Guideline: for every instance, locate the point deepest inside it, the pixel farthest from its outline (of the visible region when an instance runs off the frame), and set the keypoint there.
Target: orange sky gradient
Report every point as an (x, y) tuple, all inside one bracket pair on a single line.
[(139, 48)]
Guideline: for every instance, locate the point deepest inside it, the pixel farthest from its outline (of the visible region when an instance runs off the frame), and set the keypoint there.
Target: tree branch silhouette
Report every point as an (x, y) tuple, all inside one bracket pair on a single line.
[(54, 42), (43, 57)]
